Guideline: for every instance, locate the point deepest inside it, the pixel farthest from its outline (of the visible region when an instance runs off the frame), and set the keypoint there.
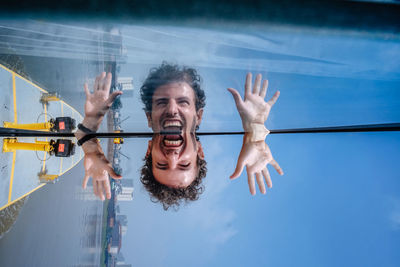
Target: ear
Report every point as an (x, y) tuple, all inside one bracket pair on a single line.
[(199, 115), (200, 152), (149, 121), (149, 146)]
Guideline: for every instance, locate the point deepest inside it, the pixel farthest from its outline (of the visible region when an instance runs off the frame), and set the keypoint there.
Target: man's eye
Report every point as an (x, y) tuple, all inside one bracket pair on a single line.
[(161, 103), (185, 165), (184, 102), (162, 166)]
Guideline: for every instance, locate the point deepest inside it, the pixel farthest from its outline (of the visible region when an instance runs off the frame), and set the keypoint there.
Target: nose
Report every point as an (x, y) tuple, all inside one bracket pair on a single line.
[(173, 157), (172, 109)]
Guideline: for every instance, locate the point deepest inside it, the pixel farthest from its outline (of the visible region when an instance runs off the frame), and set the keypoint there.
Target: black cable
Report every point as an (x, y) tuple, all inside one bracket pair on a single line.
[(384, 127)]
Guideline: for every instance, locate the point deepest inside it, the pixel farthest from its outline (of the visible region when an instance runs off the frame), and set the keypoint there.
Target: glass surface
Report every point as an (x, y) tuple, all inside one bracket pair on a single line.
[(337, 201)]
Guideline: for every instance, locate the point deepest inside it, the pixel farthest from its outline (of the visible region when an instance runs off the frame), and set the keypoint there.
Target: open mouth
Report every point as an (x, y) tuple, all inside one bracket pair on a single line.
[(172, 125), (173, 140)]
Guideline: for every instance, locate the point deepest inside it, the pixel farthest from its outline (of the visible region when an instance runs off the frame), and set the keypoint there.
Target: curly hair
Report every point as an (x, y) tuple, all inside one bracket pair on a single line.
[(169, 196), (168, 73)]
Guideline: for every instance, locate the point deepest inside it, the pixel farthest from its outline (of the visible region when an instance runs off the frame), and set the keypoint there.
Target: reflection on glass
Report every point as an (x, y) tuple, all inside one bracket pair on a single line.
[(173, 170), (255, 155)]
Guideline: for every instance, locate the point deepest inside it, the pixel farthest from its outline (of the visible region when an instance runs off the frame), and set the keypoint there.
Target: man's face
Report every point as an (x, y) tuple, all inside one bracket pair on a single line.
[(174, 159), (173, 108)]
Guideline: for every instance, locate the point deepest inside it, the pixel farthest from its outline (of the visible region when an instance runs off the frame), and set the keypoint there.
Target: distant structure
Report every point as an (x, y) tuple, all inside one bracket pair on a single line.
[(114, 240), (125, 84), (123, 221), (126, 193)]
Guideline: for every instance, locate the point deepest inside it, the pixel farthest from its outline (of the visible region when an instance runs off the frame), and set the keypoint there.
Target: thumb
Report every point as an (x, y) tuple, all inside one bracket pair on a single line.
[(238, 171), (85, 180), (236, 96), (112, 97), (113, 174)]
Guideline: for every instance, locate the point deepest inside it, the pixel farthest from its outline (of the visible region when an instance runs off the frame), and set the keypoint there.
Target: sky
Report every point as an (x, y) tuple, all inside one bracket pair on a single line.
[(338, 202)]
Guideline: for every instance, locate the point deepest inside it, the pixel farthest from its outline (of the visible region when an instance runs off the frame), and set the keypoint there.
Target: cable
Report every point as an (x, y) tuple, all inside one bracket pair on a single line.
[(384, 127), (40, 158)]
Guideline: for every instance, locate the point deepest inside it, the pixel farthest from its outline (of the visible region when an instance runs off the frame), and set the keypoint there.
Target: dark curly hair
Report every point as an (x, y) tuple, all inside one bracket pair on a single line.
[(169, 196), (168, 73)]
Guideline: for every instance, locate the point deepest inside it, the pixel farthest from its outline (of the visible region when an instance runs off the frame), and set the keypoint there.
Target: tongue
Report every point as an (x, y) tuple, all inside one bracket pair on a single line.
[(173, 137), (173, 128)]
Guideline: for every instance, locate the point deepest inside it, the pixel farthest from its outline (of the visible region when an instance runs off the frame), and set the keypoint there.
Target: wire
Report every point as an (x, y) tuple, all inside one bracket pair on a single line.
[(40, 158), (384, 127), (51, 117)]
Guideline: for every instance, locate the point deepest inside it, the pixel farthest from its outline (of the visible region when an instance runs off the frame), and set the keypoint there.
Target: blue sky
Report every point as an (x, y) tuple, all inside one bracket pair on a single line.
[(338, 202)]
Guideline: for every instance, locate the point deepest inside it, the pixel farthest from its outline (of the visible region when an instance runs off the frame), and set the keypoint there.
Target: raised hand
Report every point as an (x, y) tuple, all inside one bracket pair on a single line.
[(96, 164), (255, 156), (99, 102), (99, 168), (253, 108)]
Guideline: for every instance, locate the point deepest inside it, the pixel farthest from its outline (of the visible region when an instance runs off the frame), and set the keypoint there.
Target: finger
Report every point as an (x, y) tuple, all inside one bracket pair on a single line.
[(107, 188), (252, 183), (247, 85), (112, 97), (112, 173), (102, 81), (100, 190), (95, 191), (267, 177), (107, 82), (275, 97), (238, 171), (257, 83), (96, 83), (86, 88), (264, 88), (236, 97), (260, 182), (85, 181), (276, 166)]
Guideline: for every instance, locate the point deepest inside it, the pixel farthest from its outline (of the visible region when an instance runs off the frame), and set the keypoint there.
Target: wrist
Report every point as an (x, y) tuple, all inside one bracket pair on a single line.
[(92, 123), (85, 133), (257, 131), (250, 126), (91, 146)]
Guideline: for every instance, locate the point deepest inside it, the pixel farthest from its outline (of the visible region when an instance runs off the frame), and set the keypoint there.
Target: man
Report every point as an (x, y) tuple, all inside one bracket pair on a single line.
[(174, 163)]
